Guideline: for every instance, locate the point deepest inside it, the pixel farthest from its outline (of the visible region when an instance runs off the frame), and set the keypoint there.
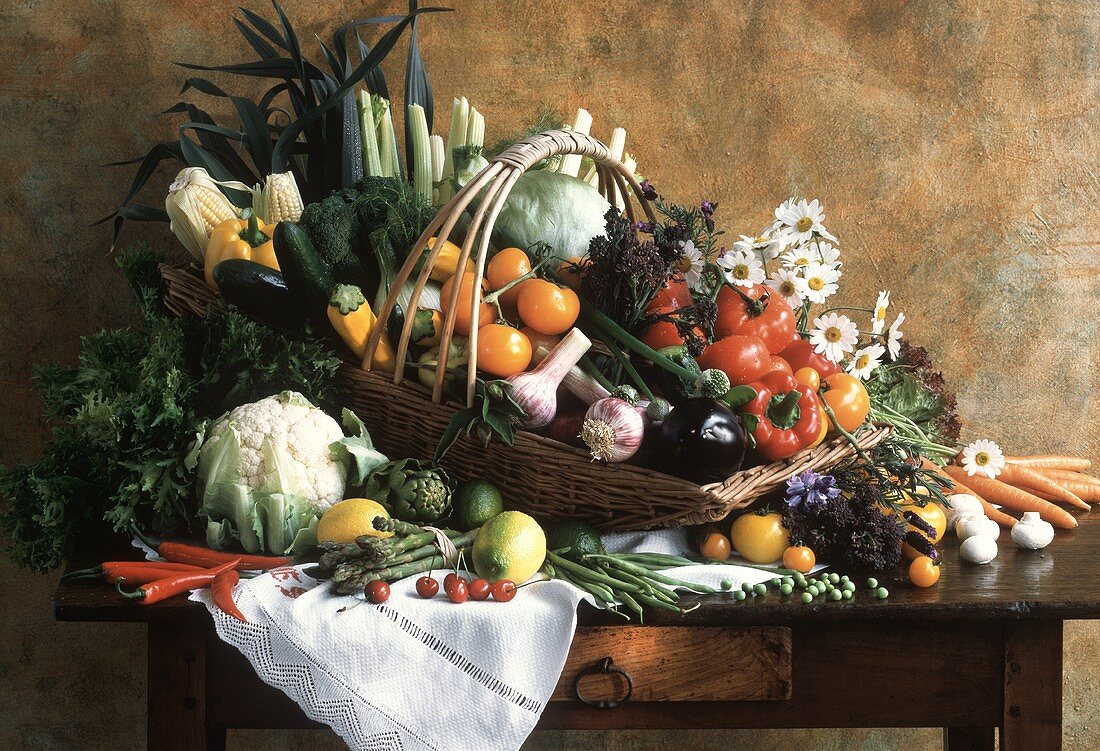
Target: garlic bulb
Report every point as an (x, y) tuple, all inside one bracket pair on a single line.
[(613, 430), (978, 549), (977, 526), (537, 390), (1032, 532), (963, 504)]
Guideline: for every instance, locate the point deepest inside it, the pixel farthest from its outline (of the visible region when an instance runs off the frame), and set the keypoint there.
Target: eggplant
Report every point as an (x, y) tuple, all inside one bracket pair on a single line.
[(701, 440)]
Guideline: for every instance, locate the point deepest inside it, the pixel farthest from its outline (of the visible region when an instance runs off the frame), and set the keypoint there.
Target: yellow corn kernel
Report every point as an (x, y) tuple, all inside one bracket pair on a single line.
[(196, 205), (279, 199)]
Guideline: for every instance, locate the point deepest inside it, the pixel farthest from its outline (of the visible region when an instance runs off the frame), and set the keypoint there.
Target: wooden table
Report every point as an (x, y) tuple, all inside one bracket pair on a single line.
[(981, 650)]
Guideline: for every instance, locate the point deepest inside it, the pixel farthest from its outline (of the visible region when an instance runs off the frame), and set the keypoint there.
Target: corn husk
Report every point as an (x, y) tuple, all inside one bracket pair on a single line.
[(278, 199), (195, 205)]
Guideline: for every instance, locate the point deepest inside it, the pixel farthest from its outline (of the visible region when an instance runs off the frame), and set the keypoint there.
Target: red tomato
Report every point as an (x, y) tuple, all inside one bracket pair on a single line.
[(743, 358), (675, 294), (778, 364), (765, 315), (664, 333), (800, 354)]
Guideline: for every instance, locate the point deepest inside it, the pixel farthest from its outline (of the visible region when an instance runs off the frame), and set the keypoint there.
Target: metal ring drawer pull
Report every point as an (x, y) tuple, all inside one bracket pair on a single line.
[(605, 666)]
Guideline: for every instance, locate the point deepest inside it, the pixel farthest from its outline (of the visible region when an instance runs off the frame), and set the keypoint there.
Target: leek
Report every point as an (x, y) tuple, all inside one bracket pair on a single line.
[(387, 138), (475, 130), (372, 165), (438, 158), (571, 163), (421, 151)]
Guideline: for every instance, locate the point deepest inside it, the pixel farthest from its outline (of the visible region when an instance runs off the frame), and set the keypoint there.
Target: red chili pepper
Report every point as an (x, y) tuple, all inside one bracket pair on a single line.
[(222, 589), (787, 416), (205, 557), (184, 581), (132, 570), (143, 574)]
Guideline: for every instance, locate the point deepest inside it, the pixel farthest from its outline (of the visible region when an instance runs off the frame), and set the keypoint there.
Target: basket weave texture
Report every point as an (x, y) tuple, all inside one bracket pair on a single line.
[(544, 477)]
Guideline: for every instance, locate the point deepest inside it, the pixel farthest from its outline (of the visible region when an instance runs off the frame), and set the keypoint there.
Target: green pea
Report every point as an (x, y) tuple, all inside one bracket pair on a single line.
[(844, 580), (834, 578), (800, 577), (835, 595), (882, 593), (849, 586), (739, 595), (746, 587), (775, 582), (760, 589), (786, 589), (727, 585), (846, 594), (813, 590), (788, 581), (872, 583), (807, 597)]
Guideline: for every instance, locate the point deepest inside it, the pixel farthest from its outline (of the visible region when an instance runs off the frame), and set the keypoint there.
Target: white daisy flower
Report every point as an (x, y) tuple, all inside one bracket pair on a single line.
[(818, 282), (798, 257), (765, 244), (799, 221), (743, 268), (786, 283), (865, 360), (983, 458), (893, 337), (828, 253), (691, 263), (879, 322), (834, 336)]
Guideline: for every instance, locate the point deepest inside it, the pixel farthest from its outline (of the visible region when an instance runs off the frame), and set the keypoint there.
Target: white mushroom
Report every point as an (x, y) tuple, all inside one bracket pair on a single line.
[(978, 549), (963, 504), (974, 526), (1031, 532)]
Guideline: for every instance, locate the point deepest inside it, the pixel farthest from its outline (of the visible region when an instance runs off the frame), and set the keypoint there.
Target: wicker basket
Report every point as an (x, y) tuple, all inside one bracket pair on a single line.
[(543, 476)]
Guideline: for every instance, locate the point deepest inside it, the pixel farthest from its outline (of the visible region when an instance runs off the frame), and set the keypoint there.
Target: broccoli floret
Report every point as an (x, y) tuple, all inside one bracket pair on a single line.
[(333, 226)]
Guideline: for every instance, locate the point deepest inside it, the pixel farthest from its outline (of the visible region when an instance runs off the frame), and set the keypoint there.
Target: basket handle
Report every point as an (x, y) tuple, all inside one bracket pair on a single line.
[(497, 179)]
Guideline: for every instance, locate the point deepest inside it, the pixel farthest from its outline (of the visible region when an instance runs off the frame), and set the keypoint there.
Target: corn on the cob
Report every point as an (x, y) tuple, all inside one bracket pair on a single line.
[(278, 199), (196, 205)]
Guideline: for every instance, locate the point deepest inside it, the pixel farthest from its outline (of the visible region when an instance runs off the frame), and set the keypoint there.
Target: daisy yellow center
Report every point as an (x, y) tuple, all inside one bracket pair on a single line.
[(740, 272), (804, 224), (815, 283), (833, 334), (862, 361), (880, 314), (981, 458), (787, 288), (803, 261), (760, 240), (684, 265)]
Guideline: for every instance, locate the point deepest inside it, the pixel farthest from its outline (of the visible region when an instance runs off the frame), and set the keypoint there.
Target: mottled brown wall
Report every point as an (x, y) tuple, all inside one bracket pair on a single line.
[(957, 144)]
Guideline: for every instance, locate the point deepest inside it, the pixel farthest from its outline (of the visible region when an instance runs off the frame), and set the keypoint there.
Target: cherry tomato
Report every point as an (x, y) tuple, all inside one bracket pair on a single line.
[(427, 587), (486, 313), (502, 350), (923, 571), (664, 333), (506, 266), (765, 315), (743, 358), (759, 538), (479, 589), (673, 295), (714, 546), (800, 354), (459, 592), (848, 399), (799, 558), (539, 339), (808, 377), (825, 425), (503, 590), (546, 307), (571, 271), (377, 591)]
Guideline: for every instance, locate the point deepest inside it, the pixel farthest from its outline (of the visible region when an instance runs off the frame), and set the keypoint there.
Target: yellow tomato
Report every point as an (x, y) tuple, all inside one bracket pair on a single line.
[(759, 538)]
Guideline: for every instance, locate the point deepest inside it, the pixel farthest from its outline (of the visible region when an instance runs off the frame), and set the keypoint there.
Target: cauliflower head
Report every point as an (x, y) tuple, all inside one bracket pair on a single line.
[(285, 446)]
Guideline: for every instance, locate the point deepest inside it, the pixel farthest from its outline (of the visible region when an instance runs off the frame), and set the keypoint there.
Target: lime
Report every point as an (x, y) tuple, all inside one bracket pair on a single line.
[(350, 519), (510, 546), (474, 503), (578, 536)]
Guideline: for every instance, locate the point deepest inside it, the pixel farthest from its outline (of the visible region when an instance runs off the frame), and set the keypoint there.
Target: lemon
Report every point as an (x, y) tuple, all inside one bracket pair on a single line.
[(350, 519), (510, 546)]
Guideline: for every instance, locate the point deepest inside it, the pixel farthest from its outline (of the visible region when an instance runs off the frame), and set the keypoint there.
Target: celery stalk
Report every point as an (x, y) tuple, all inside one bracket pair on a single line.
[(387, 138), (456, 139), (372, 165), (421, 176), (475, 130), (435, 142), (582, 123)]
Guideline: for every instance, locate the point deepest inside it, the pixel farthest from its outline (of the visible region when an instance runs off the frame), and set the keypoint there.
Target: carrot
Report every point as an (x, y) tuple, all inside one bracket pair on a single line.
[(1005, 520), (1051, 461), (1028, 479), (1014, 498), (1086, 486)]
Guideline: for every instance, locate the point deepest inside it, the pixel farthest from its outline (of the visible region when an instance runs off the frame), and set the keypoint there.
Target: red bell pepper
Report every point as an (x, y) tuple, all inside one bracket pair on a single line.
[(800, 354), (787, 416)]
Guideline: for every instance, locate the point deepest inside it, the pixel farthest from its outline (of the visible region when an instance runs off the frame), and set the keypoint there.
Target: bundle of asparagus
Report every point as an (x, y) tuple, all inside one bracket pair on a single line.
[(412, 550)]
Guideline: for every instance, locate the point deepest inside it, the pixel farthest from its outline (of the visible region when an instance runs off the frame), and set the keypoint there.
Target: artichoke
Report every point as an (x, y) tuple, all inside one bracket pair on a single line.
[(411, 490)]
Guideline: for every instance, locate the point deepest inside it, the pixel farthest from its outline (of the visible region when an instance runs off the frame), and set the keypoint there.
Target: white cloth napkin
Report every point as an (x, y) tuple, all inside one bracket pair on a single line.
[(421, 674)]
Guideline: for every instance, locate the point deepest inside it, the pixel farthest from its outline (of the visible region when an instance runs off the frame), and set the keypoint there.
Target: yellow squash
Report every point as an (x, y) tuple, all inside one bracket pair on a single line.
[(352, 318), (446, 263), (249, 239)]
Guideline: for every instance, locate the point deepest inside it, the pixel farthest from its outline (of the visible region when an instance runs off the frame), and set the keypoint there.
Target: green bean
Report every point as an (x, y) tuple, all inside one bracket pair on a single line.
[(598, 576)]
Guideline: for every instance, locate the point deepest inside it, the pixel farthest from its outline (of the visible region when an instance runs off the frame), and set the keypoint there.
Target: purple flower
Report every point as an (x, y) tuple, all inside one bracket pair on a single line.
[(810, 489), (649, 191), (707, 208), (646, 227)]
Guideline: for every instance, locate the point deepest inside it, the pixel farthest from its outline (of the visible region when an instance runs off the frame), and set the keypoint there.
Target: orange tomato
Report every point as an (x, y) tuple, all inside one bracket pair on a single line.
[(664, 333), (486, 312), (507, 266), (923, 571), (502, 350), (539, 339), (847, 397), (799, 558), (714, 546), (571, 271), (824, 428), (548, 308), (808, 377)]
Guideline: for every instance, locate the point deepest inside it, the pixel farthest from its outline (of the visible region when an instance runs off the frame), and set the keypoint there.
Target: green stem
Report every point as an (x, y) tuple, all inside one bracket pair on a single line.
[(632, 372), (494, 296), (590, 368), (612, 329), (252, 234), (848, 307)]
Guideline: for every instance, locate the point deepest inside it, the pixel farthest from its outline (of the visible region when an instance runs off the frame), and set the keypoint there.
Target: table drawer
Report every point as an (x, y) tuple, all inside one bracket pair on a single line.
[(677, 664)]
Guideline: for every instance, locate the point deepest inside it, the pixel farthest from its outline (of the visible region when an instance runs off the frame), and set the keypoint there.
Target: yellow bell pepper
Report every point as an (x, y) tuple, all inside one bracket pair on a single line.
[(248, 238), (352, 318)]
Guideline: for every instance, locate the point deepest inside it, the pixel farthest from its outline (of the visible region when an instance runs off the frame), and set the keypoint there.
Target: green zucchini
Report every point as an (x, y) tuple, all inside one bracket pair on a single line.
[(308, 277), (258, 291)]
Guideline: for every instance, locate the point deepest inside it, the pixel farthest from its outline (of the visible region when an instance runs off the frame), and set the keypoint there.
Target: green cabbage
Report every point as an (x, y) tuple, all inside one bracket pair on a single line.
[(559, 210)]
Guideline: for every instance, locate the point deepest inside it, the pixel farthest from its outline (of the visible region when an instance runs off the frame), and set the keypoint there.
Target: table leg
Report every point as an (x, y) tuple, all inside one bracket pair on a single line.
[(177, 687), (1032, 686), (968, 739)]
